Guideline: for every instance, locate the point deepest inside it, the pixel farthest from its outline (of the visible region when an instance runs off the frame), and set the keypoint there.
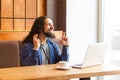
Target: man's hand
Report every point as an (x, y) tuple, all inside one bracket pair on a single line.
[(64, 41), (36, 42)]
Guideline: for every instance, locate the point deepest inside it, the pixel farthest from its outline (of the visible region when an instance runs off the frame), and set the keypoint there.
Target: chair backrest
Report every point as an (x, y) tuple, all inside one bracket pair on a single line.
[(9, 54)]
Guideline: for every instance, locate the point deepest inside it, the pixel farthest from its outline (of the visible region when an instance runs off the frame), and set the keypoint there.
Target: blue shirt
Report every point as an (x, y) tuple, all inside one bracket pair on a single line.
[(29, 57)]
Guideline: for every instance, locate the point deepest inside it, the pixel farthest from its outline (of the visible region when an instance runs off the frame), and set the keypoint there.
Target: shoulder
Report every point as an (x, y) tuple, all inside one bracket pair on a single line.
[(28, 45), (51, 42)]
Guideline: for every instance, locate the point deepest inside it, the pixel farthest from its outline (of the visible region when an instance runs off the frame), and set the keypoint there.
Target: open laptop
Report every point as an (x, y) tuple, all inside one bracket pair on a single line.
[(94, 56)]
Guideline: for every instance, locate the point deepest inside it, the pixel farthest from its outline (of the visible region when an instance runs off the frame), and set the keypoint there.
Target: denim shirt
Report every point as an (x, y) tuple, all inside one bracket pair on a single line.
[(29, 56)]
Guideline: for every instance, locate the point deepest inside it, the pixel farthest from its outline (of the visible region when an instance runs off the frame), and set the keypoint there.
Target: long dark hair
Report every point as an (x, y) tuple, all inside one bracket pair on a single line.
[(37, 27)]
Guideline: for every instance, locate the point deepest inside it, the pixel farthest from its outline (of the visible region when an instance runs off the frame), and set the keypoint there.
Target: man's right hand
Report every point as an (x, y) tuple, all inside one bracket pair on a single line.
[(36, 42)]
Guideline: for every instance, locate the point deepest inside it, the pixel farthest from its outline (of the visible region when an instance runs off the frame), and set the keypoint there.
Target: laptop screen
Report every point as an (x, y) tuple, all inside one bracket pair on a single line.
[(95, 55)]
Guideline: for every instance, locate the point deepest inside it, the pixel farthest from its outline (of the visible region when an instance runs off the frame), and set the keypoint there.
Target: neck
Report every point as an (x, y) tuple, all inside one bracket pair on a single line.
[(42, 38)]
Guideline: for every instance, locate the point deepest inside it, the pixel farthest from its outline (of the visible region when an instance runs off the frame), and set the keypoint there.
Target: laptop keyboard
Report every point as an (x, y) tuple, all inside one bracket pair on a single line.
[(77, 64)]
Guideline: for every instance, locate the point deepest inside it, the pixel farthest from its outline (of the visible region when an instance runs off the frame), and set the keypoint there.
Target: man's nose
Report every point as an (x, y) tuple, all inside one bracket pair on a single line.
[(52, 26)]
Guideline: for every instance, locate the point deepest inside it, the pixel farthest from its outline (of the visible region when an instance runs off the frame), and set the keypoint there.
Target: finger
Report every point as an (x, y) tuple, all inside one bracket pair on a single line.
[(63, 35), (35, 36)]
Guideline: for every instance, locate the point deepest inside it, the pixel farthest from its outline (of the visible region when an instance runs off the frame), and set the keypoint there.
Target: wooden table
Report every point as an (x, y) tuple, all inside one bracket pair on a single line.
[(49, 72)]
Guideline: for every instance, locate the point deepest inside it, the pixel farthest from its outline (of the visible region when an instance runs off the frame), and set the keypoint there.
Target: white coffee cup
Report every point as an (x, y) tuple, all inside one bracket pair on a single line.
[(64, 64)]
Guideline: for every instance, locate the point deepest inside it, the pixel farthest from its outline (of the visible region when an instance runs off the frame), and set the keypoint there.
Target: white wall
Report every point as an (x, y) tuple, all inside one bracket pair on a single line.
[(81, 26)]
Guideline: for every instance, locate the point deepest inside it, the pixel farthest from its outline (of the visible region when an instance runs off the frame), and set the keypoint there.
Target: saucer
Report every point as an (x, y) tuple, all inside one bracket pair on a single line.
[(63, 68)]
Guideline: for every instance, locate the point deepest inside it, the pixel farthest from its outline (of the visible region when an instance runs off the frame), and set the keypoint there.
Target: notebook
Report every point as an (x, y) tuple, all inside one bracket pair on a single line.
[(94, 55)]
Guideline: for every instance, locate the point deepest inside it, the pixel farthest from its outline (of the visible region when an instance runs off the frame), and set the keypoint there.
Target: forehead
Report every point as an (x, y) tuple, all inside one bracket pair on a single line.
[(48, 20)]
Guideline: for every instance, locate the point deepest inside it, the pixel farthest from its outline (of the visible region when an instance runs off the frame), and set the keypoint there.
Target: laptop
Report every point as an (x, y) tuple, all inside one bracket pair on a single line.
[(94, 55)]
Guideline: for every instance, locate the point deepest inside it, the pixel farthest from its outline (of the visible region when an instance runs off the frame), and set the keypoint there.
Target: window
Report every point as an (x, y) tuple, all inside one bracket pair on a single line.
[(111, 26), (111, 23)]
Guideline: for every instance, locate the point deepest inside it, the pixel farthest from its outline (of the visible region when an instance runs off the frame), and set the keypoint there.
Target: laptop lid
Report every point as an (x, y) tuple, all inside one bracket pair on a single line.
[(94, 55)]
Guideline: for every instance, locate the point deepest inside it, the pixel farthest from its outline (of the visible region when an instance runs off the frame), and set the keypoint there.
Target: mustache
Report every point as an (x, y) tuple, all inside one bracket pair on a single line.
[(50, 35)]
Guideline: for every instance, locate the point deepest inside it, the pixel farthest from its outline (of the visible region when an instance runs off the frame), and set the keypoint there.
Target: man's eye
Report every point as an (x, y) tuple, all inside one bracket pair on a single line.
[(49, 24)]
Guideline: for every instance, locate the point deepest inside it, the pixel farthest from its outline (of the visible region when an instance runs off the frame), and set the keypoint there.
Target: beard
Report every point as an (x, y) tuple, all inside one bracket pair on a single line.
[(50, 35)]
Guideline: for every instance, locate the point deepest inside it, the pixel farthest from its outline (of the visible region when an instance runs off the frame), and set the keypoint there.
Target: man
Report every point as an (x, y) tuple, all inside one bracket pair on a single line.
[(38, 48)]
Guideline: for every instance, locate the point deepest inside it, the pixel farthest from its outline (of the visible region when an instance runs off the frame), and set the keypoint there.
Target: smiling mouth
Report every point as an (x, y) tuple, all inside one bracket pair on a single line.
[(50, 30)]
